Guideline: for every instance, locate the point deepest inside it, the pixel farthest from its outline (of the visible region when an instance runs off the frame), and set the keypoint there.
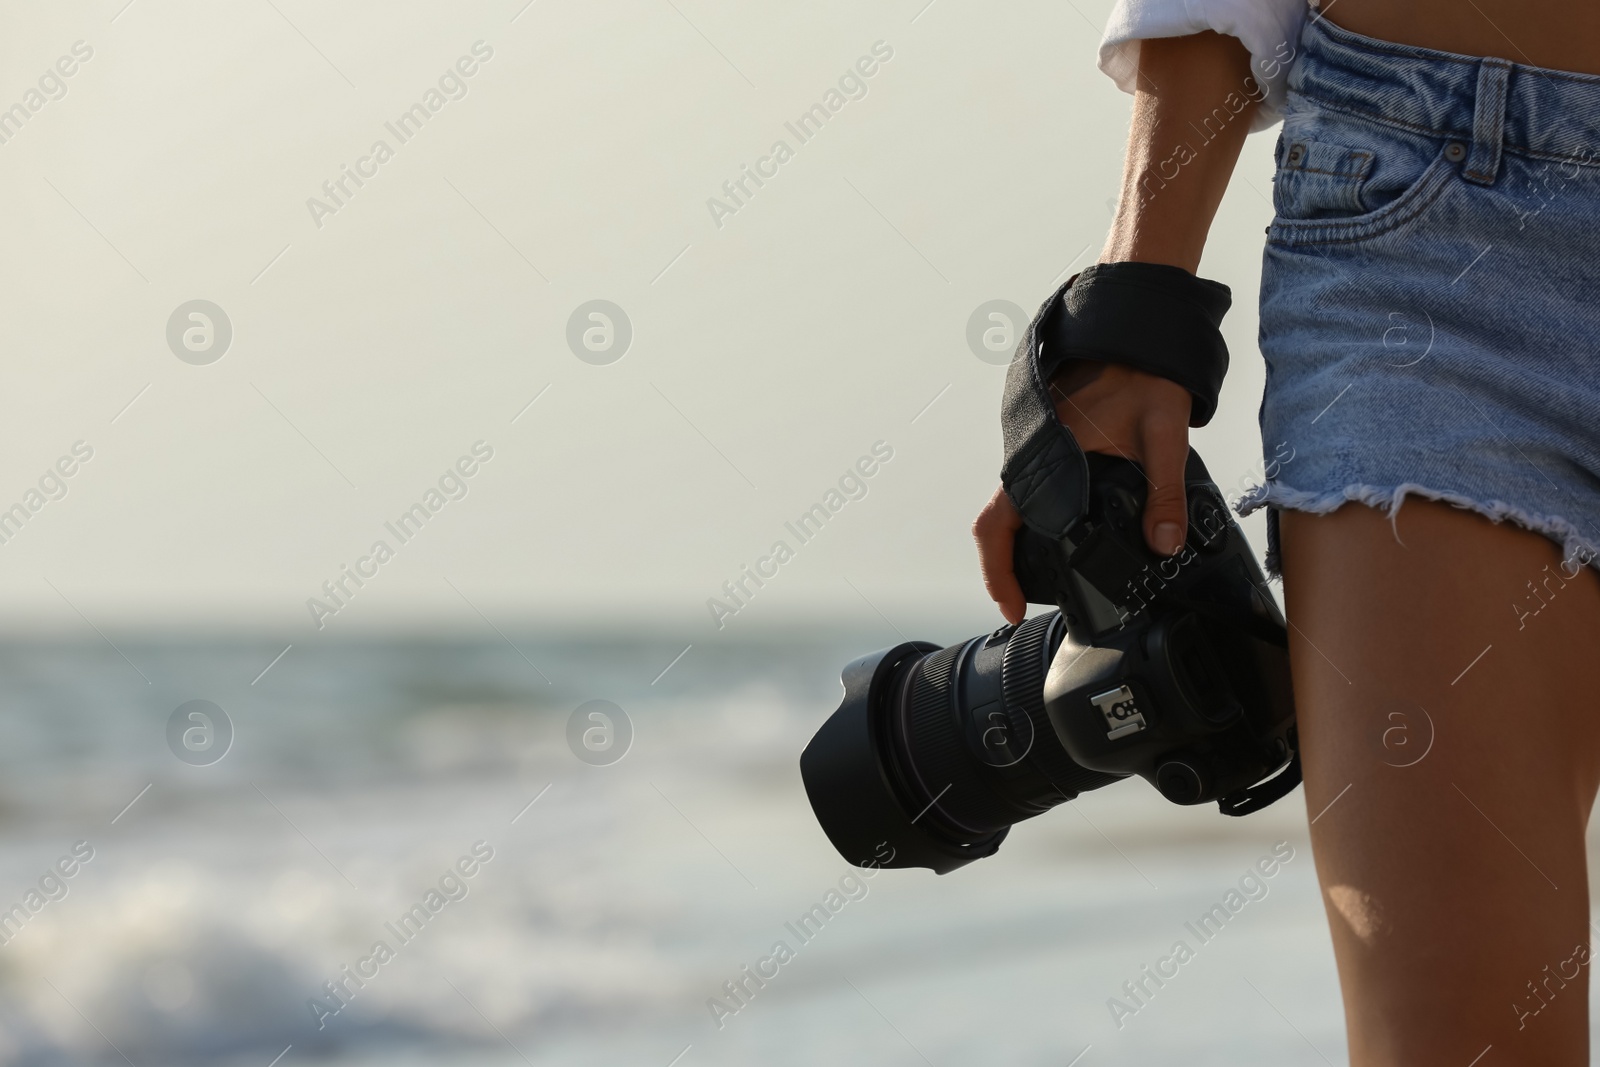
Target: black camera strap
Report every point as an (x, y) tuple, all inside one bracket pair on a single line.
[(1156, 318), (1045, 473), (1258, 796)]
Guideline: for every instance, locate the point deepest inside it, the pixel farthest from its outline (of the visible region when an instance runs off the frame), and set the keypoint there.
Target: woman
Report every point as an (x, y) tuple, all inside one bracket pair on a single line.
[(1432, 343)]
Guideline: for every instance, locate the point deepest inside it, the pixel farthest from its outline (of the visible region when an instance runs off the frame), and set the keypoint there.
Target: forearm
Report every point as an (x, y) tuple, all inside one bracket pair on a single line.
[(1190, 116)]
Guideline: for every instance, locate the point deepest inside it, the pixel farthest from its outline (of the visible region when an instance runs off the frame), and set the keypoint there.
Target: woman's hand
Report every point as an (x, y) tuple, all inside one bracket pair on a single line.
[(1118, 411), (1162, 217)]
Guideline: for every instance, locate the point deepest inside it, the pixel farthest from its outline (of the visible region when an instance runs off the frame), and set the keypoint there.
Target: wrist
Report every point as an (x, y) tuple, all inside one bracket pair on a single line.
[(1158, 318), (1136, 244)]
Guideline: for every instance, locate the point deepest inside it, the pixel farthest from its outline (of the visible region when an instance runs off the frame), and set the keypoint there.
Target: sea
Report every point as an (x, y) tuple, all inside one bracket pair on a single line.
[(549, 887)]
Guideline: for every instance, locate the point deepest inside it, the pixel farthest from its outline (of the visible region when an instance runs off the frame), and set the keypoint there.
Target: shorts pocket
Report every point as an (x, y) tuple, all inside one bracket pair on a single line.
[(1320, 179), (1342, 179)]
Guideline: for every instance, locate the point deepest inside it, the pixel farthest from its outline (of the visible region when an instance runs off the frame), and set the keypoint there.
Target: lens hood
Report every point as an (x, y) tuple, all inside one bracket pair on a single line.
[(846, 770)]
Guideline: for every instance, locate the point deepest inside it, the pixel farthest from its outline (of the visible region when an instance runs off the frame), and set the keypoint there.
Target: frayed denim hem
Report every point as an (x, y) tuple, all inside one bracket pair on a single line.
[(1576, 549)]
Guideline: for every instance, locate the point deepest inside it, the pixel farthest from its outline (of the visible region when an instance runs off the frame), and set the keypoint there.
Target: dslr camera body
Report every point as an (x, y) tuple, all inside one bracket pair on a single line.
[(1171, 668)]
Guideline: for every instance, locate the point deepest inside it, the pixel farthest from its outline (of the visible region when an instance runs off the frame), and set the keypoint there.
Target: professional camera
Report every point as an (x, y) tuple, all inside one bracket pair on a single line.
[(1174, 669)]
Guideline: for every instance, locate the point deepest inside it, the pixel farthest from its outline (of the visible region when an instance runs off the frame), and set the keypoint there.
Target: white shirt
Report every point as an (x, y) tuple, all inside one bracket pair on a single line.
[(1270, 29)]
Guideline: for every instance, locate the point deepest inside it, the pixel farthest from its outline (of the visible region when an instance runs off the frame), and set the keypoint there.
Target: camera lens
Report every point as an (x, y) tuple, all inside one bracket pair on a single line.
[(935, 753)]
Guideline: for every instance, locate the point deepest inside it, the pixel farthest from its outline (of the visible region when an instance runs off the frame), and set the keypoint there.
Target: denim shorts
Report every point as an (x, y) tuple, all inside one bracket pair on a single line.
[(1430, 294)]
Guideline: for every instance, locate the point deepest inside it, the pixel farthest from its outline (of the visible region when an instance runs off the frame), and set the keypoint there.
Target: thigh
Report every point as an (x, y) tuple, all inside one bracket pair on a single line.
[(1447, 683)]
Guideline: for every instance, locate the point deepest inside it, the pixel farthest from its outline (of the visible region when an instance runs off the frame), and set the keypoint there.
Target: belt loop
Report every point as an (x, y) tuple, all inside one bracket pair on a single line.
[(1488, 121)]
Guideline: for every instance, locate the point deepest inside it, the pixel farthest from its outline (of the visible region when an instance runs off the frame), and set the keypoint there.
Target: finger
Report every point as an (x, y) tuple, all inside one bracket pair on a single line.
[(1165, 452), (994, 530)]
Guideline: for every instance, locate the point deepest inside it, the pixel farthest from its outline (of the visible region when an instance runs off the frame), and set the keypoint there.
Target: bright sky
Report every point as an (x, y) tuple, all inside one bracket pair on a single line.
[(570, 155)]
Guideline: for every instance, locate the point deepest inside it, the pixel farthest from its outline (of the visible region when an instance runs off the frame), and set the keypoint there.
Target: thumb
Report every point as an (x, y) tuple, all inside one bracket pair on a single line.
[(1165, 453)]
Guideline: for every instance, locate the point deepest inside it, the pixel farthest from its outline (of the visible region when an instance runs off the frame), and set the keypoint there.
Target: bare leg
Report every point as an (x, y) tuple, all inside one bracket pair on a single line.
[(1456, 887)]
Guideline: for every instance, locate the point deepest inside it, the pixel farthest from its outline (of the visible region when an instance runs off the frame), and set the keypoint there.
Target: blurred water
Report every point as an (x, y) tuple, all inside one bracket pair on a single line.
[(221, 901)]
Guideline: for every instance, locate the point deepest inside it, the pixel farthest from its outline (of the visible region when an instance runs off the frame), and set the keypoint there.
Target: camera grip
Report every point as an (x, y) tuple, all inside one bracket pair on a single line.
[(1040, 566)]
